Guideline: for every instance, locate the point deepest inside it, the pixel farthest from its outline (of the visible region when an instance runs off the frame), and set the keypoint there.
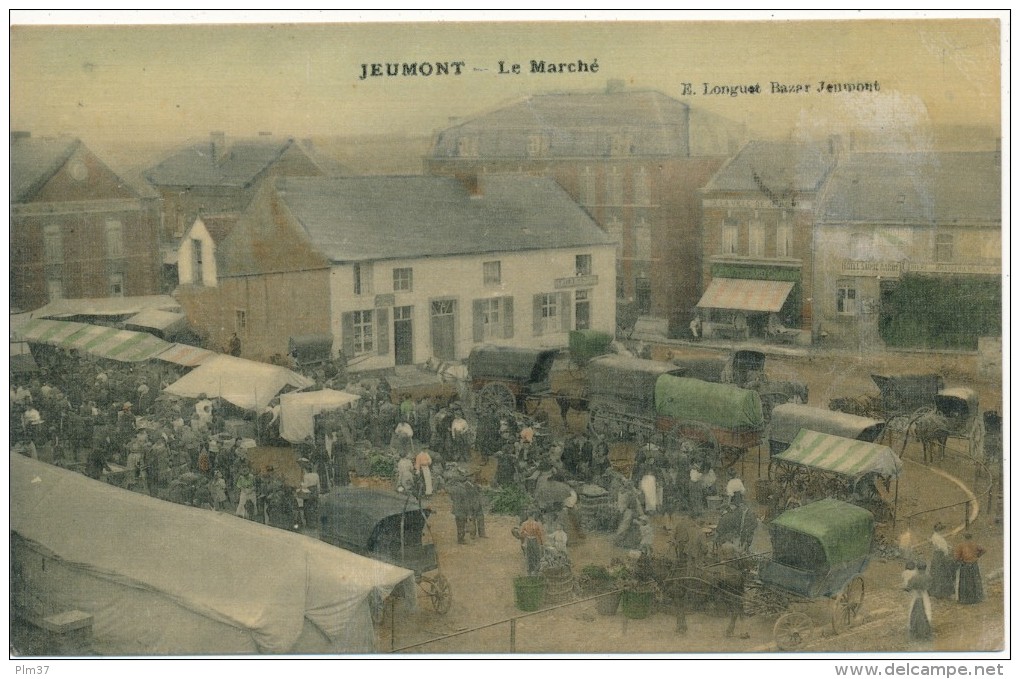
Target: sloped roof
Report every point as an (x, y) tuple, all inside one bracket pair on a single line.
[(219, 226), (35, 160), (914, 188), (577, 124), (353, 219), (775, 167), (242, 162)]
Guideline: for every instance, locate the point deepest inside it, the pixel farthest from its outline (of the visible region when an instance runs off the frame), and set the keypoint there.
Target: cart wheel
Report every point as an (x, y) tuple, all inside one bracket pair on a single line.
[(438, 591), (792, 631), (847, 605), (499, 395)]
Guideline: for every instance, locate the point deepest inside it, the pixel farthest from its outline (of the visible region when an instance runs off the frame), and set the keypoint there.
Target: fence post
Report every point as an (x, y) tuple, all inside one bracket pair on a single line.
[(966, 514), (513, 635)]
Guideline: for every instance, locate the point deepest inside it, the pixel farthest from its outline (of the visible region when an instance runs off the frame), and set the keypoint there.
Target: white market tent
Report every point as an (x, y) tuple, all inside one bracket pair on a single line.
[(298, 411), (166, 579), (247, 384)]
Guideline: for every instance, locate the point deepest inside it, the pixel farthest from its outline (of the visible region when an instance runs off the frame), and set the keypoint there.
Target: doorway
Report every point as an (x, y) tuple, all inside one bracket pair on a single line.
[(403, 335), (444, 329)]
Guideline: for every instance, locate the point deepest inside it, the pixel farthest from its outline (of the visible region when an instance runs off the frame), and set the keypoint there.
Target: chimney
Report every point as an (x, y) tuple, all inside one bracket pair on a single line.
[(614, 85), (18, 135), (263, 133), (473, 184), (217, 145)]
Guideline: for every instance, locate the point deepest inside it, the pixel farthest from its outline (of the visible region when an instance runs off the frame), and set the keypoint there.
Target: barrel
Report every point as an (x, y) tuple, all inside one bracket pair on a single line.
[(559, 584), (635, 604), (608, 603), (529, 592)]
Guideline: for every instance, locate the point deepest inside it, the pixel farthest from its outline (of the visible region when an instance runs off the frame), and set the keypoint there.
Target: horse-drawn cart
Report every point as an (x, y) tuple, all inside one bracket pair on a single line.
[(508, 377), (818, 551), (818, 465), (389, 527)]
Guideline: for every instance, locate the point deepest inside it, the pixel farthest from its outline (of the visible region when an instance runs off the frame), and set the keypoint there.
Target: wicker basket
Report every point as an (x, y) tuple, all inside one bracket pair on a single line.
[(559, 584)]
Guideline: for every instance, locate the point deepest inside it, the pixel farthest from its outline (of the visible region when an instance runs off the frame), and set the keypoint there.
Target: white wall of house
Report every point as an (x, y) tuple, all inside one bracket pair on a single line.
[(468, 309), (196, 257)]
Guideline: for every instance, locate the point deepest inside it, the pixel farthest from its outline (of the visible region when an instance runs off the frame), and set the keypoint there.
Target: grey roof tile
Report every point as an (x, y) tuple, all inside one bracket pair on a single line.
[(371, 218), (776, 165)]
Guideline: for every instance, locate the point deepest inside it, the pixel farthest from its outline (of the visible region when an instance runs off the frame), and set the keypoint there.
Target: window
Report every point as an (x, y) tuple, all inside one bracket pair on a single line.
[(114, 233), (55, 288), (116, 285), (538, 144), (587, 186), (551, 312), (363, 335), (943, 247), (582, 265), (53, 244), (846, 299), (860, 245), (491, 273), (550, 319), (614, 187), (729, 236), (403, 280), (493, 318), (619, 145), (196, 261), (784, 239), (240, 320), (756, 238), (362, 279), (642, 241), (467, 146), (642, 187)]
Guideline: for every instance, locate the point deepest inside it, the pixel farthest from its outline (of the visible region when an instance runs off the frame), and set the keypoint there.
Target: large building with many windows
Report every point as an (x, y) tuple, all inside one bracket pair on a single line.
[(634, 159), (78, 229), (402, 269)]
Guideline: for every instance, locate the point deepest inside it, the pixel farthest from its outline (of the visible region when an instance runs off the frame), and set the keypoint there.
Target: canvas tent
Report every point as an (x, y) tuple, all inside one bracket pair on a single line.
[(166, 579), (164, 324), (249, 385), (106, 306), (720, 405), (298, 411), (95, 340)]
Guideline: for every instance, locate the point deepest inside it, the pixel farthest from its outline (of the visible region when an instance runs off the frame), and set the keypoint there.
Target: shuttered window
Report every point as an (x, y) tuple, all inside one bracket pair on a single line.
[(493, 319)]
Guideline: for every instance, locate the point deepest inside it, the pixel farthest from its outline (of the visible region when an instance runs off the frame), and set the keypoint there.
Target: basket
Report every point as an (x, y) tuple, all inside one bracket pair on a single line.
[(529, 592), (636, 604), (559, 584)]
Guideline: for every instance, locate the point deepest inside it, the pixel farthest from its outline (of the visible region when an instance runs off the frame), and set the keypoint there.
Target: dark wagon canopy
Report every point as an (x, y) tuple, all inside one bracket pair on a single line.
[(358, 517), (626, 380), (789, 418), (530, 367)]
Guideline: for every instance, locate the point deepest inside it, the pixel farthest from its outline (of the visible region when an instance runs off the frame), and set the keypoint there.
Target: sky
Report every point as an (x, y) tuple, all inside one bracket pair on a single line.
[(167, 83)]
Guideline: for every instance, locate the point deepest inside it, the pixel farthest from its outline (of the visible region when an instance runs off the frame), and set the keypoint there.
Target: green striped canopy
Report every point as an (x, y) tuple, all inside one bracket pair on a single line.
[(721, 405), (843, 530), (847, 457), (97, 340)]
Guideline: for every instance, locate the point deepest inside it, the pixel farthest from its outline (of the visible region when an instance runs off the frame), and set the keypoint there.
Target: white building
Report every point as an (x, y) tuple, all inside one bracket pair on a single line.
[(401, 269), (196, 253)]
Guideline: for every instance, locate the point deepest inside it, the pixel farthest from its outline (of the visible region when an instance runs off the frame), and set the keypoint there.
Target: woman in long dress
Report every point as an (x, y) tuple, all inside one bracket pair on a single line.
[(919, 626), (943, 566)]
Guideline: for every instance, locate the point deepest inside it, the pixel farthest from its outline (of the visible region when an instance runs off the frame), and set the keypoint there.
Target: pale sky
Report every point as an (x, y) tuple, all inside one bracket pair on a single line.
[(169, 83)]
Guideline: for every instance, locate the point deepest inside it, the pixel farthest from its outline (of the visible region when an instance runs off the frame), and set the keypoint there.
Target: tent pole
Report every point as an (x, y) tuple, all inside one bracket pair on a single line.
[(896, 502)]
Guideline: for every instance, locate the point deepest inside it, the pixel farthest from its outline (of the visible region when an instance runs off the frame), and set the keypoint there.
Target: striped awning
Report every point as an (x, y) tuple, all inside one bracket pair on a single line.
[(745, 295), (97, 340), (846, 457), (186, 355)]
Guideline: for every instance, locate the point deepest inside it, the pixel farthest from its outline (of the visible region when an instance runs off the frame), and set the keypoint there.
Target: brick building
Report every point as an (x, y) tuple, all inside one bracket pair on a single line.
[(758, 215), (78, 229), (220, 177), (401, 269), (625, 156)]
